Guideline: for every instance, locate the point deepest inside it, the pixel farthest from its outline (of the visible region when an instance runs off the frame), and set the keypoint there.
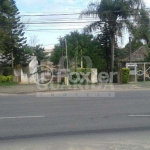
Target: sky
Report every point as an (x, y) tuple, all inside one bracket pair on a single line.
[(41, 18)]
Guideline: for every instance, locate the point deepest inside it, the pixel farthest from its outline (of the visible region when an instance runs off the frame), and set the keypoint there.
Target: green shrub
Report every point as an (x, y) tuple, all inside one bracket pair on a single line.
[(0, 79), (125, 75), (10, 78), (6, 79)]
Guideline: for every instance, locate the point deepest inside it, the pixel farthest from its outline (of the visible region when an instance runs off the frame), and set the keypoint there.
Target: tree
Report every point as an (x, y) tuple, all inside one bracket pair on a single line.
[(33, 40), (37, 51), (105, 44), (140, 31), (114, 12), (80, 44), (76, 43), (147, 59), (14, 41), (4, 10)]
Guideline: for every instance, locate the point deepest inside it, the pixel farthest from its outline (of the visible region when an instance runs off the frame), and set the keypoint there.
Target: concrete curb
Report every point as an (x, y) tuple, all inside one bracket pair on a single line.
[(97, 88)]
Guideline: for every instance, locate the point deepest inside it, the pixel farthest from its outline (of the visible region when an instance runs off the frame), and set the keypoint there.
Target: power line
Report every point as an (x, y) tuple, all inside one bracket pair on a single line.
[(67, 19), (55, 22), (53, 29), (52, 14), (77, 22), (65, 14)]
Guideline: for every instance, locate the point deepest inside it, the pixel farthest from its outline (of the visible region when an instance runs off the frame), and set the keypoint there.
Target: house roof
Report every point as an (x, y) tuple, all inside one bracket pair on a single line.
[(138, 56)]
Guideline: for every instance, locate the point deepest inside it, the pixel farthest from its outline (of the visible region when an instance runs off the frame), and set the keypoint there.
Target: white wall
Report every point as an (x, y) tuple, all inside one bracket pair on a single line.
[(25, 78)]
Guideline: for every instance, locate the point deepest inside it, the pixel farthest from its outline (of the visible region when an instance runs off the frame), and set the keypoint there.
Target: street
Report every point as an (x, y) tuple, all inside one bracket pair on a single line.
[(117, 122)]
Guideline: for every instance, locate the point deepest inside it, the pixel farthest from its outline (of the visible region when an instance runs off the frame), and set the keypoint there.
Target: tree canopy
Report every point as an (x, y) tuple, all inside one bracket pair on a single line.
[(116, 14), (12, 38), (78, 45)]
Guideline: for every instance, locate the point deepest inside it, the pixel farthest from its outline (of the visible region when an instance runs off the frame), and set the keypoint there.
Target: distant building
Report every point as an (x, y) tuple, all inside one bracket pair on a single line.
[(48, 51)]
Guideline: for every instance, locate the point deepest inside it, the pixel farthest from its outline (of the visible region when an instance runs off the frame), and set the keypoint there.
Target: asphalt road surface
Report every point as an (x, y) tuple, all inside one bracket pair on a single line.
[(119, 122)]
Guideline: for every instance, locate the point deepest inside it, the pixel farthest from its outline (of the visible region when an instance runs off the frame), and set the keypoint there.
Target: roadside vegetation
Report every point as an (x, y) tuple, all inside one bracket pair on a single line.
[(7, 81), (115, 17), (99, 40), (8, 84)]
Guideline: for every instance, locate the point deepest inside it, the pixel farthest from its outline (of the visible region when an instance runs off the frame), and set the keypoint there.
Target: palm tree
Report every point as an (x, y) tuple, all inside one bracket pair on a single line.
[(115, 13)]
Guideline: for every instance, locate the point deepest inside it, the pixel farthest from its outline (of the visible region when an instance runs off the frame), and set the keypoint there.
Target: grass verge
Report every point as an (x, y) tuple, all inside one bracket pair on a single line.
[(8, 83)]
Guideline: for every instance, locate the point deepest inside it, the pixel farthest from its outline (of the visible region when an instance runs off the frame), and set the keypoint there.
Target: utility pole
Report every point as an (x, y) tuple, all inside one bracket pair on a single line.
[(62, 53), (112, 51), (76, 57), (81, 59), (67, 62), (129, 49)]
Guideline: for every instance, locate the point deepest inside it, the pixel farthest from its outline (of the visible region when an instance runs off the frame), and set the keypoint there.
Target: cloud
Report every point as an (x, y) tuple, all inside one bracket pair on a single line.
[(30, 2), (147, 2), (62, 1)]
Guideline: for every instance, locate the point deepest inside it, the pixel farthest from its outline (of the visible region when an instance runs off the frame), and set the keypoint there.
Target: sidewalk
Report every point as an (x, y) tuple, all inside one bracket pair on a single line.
[(32, 88)]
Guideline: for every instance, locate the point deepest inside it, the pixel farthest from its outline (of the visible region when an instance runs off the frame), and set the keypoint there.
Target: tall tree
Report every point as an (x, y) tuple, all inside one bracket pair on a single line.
[(105, 44), (14, 35), (114, 12), (140, 31), (4, 10)]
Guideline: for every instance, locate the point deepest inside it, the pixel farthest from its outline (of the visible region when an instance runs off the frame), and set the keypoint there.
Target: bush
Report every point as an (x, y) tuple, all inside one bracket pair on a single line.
[(10, 78), (6, 78), (125, 75), (0, 79)]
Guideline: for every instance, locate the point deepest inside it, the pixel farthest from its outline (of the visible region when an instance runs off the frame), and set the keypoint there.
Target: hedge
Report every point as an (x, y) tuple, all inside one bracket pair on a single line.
[(6, 79), (125, 75)]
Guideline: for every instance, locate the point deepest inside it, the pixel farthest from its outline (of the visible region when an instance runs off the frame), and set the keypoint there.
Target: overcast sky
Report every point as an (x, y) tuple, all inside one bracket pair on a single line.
[(50, 36)]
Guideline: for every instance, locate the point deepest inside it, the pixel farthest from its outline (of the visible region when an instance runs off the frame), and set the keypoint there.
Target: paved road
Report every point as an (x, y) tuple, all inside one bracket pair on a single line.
[(135, 140), (29, 118)]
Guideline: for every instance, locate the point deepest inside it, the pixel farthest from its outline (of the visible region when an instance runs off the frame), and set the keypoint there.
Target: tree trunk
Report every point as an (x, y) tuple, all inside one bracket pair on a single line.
[(112, 51), (12, 60), (39, 73)]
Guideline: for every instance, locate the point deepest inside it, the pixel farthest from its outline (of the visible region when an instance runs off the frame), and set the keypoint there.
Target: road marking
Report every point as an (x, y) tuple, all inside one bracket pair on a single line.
[(139, 115), (21, 117)]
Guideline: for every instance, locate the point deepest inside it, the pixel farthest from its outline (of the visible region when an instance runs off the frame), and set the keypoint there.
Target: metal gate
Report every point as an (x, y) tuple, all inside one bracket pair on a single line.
[(139, 71)]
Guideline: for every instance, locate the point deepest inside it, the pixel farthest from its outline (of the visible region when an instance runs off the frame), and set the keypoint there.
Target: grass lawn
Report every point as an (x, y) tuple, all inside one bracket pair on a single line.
[(8, 83)]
